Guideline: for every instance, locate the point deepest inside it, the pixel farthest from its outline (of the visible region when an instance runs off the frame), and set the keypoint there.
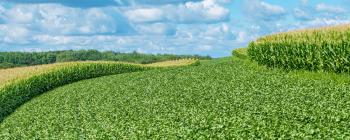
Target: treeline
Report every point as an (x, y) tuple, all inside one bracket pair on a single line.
[(15, 59)]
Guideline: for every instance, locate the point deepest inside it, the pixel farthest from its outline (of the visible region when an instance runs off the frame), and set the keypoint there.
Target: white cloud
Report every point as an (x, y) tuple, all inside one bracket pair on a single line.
[(327, 21), (156, 29), (205, 47), (329, 8), (207, 11), (71, 3), (273, 9), (58, 19), (242, 37), (145, 15), (52, 26), (146, 44), (14, 34), (22, 15), (301, 14), (222, 31), (153, 26), (153, 2), (2, 14), (263, 11)]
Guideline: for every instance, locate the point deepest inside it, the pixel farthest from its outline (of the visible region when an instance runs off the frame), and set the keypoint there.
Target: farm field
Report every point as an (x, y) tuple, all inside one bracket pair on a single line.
[(174, 69), (20, 85), (221, 98), (317, 49), (11, 74)]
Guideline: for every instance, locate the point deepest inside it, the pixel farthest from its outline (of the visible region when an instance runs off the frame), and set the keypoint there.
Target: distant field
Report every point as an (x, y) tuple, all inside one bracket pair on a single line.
[(240, 53), (220, 99), (174, 63), (11, 74), (20, 59)]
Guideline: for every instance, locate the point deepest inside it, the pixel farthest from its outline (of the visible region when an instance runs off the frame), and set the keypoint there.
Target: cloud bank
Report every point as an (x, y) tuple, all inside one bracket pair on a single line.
[(206, 27)]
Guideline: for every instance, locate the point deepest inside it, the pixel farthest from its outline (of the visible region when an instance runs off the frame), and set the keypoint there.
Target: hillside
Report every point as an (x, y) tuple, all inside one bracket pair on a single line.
[(19, 85), (221, 98), (12, 74)]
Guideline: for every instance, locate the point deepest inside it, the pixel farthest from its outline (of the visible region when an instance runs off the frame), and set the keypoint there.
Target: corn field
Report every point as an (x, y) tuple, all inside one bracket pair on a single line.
[(22, 84), (326, 49), (240, 53), (18, 92)]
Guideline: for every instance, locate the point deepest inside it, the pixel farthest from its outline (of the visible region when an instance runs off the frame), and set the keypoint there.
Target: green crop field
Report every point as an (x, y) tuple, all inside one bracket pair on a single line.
[(325, 49), (247, 96), (19, 85), (222, 98)]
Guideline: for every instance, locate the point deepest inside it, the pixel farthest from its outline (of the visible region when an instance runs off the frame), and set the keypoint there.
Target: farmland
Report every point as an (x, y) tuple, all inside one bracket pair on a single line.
[(9, 75), (223, 98), (319, 49), (247, 96), (22, 84), (20, 59)]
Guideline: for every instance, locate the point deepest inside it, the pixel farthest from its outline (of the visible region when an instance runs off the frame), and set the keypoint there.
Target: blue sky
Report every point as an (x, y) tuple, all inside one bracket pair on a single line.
[(205, 27)]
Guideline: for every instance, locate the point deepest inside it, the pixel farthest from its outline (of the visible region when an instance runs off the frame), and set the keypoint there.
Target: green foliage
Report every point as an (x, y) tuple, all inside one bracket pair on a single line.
[(240, 53), (8, 65), (13, 59), (220, 99), (326, 49), (18, 92)]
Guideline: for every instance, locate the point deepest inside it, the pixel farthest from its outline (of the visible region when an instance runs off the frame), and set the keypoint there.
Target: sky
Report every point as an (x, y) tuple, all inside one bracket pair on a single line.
[(204, 27)]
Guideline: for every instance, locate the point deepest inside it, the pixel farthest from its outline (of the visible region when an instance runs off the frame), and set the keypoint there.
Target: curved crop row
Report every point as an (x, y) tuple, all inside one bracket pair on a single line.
[(240, 53), (20, 88), (325, 49), (175, 63), (16, 93)]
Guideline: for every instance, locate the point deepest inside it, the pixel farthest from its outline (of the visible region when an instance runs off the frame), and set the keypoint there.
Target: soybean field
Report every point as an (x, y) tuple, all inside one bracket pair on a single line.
[(220, 99)]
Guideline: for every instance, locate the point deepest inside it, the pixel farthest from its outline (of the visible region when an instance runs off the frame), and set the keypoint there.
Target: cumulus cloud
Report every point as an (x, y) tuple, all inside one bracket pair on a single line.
[(153, 26), (264, 11), (14, 34), (101, 3), (207, 11), (144, 44), (2, 14), (154, 2), (329, 8), (327, 21), (72, 3), (320, 14), (302, 14), (157, 29), (52, 25), (145, 15), (57, 19)]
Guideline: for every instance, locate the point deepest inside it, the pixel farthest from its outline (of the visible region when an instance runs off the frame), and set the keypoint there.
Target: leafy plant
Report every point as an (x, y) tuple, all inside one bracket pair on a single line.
[(326, 49), (18, 92), (240, 53), (19, 89), (220, 99)]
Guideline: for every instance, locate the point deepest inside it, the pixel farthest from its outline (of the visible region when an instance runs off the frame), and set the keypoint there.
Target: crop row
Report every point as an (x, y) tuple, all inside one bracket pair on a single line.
[(220, 99), (325, 49), (18, 92), (240, 53)]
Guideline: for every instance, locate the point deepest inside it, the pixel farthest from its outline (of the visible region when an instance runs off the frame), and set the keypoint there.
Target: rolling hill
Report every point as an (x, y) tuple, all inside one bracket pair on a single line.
[(222, 98), (292, 85)]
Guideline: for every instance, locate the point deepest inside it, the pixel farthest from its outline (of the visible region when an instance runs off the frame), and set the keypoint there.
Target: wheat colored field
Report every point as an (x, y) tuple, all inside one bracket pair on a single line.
[(8, 75), (174, 63)]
